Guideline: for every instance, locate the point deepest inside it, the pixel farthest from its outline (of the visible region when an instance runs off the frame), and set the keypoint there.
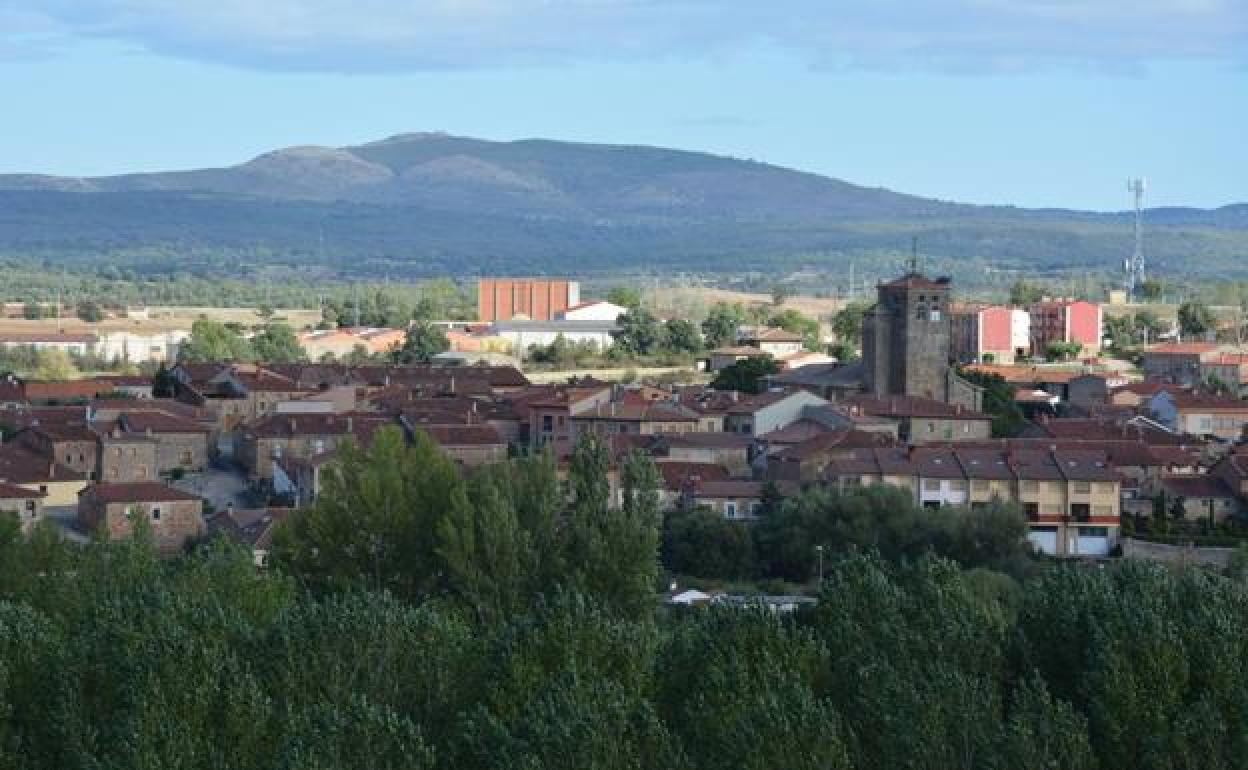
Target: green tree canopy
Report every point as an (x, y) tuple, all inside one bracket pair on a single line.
[(747, 375), (277, 343), (213, 341), (424, 340), (1196, 319), (721, 324), (624, 296)]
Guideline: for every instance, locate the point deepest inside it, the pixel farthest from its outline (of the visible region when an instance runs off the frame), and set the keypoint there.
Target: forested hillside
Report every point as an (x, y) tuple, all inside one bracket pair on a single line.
[(424, 204)]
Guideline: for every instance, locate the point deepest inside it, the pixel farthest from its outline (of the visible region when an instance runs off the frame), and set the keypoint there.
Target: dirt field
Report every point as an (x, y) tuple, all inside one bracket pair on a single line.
[(695, 302), (159, 319)]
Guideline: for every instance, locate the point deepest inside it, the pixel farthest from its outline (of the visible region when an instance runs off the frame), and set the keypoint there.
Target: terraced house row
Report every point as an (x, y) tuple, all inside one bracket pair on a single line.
[(1072, 499)]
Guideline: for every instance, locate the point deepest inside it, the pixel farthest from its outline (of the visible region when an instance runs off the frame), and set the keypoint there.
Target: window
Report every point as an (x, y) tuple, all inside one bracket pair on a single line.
[(156, 513), (30, 506), (931, 485), (730, 510), (1080, 511), (932, 505), (1031, 510), (188, 458), (69, 459), (140, 472), (1102, 510), (548, 423), (134, 452), (931, 427), (43, 489)]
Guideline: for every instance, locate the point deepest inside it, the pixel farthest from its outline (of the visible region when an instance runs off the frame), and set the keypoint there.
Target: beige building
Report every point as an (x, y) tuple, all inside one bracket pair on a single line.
[(1071, 498)]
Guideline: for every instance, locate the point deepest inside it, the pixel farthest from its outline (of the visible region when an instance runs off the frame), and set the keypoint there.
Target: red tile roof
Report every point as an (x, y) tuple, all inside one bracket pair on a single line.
[(136, 492), (160, 422), (1202, 486), (1181, 349), (464, 435), (19, 465), (14, 492), (911, 406)]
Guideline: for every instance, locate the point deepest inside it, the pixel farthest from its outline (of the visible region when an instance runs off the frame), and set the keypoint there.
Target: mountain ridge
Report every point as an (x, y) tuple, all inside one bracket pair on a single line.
[(424, 197)]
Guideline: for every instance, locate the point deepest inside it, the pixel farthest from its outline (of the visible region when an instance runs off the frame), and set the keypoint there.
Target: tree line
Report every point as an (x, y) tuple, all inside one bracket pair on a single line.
[(419, 617)]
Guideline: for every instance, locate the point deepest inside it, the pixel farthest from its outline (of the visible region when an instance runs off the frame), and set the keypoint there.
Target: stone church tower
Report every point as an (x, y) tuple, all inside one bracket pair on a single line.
[(906, 338), (906, 341)]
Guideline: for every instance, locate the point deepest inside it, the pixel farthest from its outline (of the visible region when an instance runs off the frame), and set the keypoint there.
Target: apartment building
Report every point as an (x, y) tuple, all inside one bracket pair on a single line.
[(984, 333), (1066, 320), (1072, 498)]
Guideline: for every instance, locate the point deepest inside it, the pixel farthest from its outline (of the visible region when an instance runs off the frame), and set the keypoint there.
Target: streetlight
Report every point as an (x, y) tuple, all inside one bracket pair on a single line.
[(819, 551)]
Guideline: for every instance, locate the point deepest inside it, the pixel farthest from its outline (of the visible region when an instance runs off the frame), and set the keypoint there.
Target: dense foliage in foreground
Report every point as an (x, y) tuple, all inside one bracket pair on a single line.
[(420, 620), (114, 659)]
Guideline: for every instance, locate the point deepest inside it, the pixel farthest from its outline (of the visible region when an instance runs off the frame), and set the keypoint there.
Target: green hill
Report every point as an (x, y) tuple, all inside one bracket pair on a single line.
[(417, 204)]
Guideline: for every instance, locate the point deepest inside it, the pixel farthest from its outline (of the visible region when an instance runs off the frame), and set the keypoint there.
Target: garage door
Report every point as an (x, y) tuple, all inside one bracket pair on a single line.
[(1093, 541), (1043, 539)]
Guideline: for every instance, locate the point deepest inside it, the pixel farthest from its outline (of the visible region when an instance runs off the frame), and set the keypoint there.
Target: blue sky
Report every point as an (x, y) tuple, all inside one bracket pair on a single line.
[(1032, 102)]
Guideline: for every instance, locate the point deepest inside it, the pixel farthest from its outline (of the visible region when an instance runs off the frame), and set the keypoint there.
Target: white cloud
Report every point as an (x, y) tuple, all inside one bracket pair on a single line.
[(365, 35)]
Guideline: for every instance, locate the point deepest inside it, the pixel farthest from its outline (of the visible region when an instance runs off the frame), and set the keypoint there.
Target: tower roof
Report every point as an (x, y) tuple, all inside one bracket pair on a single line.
[(914, 280)]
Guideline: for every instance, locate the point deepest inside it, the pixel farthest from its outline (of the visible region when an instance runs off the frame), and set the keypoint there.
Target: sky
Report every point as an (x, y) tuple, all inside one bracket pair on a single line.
[(1027, 102)]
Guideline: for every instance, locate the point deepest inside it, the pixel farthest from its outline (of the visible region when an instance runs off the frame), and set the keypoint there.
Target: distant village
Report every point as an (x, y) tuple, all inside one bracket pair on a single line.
[(233, 447)]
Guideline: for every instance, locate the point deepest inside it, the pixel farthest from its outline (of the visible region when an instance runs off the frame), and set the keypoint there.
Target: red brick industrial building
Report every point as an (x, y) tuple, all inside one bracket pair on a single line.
[(538, 299)]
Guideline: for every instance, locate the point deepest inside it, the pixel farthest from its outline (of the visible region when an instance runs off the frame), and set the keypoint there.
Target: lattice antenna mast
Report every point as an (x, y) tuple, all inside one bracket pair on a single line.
[(1135, 265)]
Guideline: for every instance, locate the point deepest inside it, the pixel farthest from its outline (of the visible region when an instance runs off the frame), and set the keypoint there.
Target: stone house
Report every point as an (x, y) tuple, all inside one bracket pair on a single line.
[(770, 411), (614, 418), (301, 435), (469, 445), (22, 467), (924, 420), (173, 516), (180, 443), (72, 444), (127, 457)]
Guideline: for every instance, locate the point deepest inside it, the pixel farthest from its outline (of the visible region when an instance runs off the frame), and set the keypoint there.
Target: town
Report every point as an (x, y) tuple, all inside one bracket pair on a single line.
[(617, 385), (1102, 456)]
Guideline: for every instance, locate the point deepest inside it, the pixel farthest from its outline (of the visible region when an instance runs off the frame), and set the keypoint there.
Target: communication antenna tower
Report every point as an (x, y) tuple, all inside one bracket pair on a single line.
[(1135, 265)]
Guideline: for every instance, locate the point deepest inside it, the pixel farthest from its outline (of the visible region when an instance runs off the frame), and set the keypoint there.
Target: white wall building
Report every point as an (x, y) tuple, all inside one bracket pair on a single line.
[(139, 348), (593, 311), (523, 334)]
